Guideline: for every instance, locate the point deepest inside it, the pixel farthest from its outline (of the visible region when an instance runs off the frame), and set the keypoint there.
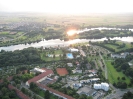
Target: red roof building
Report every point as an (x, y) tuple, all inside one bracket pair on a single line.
[(55, 92), (40, 77), (18, 92), (9, 78)]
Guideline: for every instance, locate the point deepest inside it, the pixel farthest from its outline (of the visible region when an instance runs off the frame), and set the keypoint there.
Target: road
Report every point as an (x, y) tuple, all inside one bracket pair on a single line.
[(32, 93), (106, 72), (118, 93), (100, 63), (16, 37), (96, 64), (82, 53)]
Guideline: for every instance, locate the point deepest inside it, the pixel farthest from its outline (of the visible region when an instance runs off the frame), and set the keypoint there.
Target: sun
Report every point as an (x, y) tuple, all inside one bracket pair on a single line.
[(71, 32)]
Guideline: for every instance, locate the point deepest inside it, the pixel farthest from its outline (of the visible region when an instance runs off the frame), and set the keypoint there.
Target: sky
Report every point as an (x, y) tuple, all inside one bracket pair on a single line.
[(67, 6)]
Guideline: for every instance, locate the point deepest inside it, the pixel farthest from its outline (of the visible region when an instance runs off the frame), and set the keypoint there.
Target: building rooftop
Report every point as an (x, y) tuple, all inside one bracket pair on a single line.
[(19, 93), (36, 78), (55, 91)]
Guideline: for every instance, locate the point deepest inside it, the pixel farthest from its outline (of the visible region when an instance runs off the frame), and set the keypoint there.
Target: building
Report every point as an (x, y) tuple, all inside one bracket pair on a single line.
[(47, 73), (85, 81), (37, 70), (55, 92), (94, 79), (70, 64), (87, 91), (77, 71), (42, 77), (77, 85), (104, 86), (73, 50), (122, 55), (130, 63), (18, 92)]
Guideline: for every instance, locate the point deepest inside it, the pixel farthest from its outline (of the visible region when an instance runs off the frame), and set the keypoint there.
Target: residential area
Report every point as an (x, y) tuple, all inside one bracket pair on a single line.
[(81, 71)]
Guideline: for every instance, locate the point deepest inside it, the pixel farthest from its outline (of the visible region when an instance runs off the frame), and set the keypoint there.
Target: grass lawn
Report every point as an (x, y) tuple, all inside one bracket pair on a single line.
[(41, 93), (56, 52), (127, 45), (113, 74)]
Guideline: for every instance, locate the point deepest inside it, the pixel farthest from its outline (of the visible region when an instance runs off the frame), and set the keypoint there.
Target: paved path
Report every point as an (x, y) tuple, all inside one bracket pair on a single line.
[(118, 93), (23, 85), (82, 53), (106, 72)]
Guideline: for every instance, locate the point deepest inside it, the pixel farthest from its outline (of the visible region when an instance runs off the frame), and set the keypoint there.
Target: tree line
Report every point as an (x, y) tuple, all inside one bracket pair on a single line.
[(20, 57)]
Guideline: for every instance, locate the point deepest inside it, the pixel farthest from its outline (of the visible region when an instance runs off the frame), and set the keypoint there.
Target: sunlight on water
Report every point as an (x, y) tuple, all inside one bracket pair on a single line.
[(71, 32)]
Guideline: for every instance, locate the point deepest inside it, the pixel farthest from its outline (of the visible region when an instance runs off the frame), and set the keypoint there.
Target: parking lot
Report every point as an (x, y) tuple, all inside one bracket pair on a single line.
[(47, 81)]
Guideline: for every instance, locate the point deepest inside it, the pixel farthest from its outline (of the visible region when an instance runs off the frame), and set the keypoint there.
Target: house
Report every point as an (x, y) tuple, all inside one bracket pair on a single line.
[(85, 81), (40, 77), (77, 85), (77, 71), (70, 64), (73, 50), (91, 75), (104, 86), (92, 71)]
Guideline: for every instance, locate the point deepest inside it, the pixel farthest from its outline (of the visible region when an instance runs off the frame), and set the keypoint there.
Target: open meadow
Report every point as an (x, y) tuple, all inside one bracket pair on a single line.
[(113, 74)]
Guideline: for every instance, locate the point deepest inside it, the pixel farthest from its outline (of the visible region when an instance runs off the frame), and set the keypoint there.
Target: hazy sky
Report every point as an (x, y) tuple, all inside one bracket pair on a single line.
[(67, 6)]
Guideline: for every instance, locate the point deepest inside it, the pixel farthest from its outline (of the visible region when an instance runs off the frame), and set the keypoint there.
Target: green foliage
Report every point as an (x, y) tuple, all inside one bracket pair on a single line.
[(47, 94), (128, 95), (19, 57), (5, 93)]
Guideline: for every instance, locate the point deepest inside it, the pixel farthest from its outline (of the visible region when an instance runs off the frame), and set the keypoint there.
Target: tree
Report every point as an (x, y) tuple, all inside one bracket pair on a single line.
[(23, 90), (118, 78), (47, 94), (123, 78), (83, 96)]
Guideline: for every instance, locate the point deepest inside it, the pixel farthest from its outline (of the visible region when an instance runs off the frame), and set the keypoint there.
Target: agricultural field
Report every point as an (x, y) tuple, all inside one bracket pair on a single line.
[(91, 19)]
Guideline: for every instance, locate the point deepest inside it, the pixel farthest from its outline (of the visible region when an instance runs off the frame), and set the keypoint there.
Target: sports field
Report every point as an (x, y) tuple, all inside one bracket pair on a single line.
[(62, 71)]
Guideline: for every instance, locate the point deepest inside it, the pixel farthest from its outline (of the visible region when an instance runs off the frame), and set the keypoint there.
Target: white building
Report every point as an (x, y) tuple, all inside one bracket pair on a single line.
[(104, 86), (39, 70), (94, 79), (76, 71), (85, 81), (77, 85), (73, 50), (122, 55), (70, 64)]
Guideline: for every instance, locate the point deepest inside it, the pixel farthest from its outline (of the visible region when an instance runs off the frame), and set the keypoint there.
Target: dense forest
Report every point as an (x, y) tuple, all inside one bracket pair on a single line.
[(19, 57)]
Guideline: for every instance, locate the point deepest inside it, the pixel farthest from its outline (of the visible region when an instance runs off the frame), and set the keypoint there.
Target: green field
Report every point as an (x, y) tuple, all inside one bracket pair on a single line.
[(113, 74), (127, 46), (57, 54)]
